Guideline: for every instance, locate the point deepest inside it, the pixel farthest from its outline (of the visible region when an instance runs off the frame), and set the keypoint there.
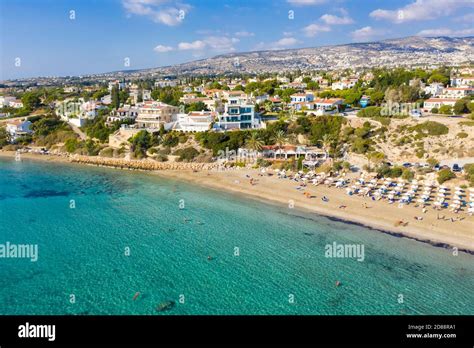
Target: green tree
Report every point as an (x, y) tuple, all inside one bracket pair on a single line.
[(31, 100), (375, 158), (461, 106), (445, 175), (446, 110), (280, 138), (254, 143), (115, 97)]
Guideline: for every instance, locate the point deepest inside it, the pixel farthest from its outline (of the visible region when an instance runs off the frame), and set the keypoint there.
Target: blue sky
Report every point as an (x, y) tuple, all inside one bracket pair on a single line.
[(44, 38)]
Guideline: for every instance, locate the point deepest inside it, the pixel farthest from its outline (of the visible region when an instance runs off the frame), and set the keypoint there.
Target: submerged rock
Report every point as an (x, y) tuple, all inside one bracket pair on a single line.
[(165, 306)]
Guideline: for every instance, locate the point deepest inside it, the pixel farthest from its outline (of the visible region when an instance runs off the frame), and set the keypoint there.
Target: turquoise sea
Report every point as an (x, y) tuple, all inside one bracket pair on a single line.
[(280, 255)]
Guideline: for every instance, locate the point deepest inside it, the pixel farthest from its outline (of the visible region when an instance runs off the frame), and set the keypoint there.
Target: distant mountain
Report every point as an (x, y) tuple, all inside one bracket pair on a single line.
[(409, 51)]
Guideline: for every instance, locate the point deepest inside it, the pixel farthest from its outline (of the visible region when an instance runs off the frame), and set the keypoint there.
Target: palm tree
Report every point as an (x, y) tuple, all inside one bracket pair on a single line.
[(326, 142), (254, 142), (280, 138)]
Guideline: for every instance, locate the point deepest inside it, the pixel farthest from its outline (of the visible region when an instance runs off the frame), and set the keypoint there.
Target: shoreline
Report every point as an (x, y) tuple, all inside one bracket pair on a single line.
[(270, 190)]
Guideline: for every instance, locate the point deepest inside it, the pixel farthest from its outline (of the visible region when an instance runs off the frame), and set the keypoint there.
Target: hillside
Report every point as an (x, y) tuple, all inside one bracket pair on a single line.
[(410, 51)]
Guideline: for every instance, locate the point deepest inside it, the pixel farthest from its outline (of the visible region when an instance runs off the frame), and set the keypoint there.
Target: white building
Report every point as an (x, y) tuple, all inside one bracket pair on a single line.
[(435, 89), (458, 92), (71, 89), (120, 84), (431, 103), (166, 83), (238, 115), (153, 114), (5, 101), (301, 98), (346, 84), (17, 104), (18, 128), (325, 106), (77, 113), (126, 112), (240, 95), (460, 81), (195, 121)]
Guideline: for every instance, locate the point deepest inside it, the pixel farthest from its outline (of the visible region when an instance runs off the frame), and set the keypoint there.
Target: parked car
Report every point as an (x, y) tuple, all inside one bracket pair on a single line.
[(437, 167), (407, 165), (456, 168)]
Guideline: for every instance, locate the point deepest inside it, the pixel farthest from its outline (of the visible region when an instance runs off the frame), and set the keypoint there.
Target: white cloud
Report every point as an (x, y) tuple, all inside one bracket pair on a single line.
[(215, 43), (446, 32), (195, 45), (244, 34), (366, 34), (171, 15), (221, 43), (335, 20), (162, 49), (306, 2), (285, 42), (421, 10), (313, 29)]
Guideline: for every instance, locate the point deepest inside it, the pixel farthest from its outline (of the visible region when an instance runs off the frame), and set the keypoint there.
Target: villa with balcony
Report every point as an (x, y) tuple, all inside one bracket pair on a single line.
[(238, 115), (153, 114)]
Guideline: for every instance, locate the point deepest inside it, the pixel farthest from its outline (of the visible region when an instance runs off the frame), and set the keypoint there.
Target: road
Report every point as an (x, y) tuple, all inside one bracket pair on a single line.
[(77, 130), (461, 161)]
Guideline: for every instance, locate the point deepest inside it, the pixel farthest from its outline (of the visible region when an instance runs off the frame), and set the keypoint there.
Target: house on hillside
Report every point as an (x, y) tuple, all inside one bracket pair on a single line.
[(18, 128)]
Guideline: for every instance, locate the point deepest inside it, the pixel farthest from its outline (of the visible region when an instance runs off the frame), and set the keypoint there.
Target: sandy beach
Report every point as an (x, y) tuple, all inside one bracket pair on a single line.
[(443, 232), (379, 215)]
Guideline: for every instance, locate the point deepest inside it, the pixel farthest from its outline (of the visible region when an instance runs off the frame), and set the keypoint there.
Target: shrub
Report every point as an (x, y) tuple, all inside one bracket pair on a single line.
[(434, 110), (462, 135), (430, 128), (107, 152), (370, 111), (446, 110), (420, 153), (445, 175), (187, 154), (161, 158), (389, 172), (408, 174), (71, 145), (469, 170), (432, 162)]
